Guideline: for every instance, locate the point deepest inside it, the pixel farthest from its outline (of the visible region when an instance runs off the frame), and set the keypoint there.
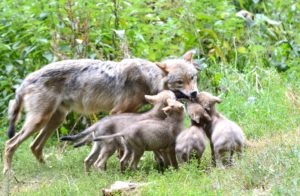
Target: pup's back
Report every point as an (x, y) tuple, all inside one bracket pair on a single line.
[(192, 138), (157, 134), (228, 134), (150, 135)]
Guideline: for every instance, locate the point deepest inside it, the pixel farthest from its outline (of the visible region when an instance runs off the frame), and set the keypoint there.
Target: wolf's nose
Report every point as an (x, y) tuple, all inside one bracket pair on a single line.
[(193, 94)]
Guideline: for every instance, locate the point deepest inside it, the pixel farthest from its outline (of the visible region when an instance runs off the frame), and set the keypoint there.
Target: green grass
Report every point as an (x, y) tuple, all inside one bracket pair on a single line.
[(270, 164)]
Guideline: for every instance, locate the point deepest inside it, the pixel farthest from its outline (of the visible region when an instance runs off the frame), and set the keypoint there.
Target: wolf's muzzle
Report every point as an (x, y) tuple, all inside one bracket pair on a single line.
[(180, 95), (193, 94)]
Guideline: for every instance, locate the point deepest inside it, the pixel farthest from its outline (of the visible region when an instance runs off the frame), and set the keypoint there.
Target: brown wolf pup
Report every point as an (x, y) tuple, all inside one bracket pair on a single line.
[(151, 135), (89, 86), (225, 135), (194, 137), (102, 150)]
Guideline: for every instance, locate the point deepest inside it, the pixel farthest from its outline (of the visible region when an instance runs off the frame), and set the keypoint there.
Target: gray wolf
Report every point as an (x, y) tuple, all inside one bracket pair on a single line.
[(226, 137), (151, 135), (112, 124), (89, 86)]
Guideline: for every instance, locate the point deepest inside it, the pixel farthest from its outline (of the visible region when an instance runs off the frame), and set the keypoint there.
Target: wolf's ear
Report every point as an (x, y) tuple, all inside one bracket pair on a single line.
[(152, 99), (162, 66), (188, 56)]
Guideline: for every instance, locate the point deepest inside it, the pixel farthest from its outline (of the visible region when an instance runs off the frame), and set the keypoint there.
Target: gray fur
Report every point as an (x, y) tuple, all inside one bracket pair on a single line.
[(151, 135), (225, 135), (87, 86), (115, 124), (192, 138)]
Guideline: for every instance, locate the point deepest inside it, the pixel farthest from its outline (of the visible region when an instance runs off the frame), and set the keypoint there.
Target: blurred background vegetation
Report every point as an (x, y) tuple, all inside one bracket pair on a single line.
[(243, 59)]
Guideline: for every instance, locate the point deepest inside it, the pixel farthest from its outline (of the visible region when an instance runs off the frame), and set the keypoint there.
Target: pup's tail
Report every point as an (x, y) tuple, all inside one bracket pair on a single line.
[(84, 141), (108, 136), (14, 109), (78, 136)]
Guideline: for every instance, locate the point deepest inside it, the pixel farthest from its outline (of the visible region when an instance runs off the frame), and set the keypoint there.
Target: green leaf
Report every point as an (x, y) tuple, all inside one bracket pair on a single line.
[(242, 50)]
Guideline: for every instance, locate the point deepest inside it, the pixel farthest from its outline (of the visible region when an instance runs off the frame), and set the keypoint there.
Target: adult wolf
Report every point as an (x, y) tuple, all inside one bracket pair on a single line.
[(88, 86)]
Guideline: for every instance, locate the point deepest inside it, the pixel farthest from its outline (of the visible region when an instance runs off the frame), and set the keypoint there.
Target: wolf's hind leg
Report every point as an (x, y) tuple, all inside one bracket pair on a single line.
[(32, 123), (38, 144)]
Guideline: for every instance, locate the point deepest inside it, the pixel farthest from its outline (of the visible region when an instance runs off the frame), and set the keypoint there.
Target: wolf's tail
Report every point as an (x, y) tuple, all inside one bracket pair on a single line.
[(14, 109), (108, 136)]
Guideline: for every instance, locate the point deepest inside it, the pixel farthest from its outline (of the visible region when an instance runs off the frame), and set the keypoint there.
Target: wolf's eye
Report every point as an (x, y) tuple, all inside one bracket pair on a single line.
[(193, 77), (179, 82)]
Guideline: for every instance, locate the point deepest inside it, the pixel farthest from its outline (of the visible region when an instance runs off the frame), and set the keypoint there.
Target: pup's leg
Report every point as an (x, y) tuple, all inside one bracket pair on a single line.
[(90, 159), (199, 153), (105, 153), (220, 156), (230, 161), (239, 152), (180, 157), (136, 158), (127, 155), (213, 157), (172, 157)]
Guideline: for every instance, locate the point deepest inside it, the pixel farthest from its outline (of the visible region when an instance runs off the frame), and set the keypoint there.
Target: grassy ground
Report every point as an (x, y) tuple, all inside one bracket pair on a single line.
[(270, 164)]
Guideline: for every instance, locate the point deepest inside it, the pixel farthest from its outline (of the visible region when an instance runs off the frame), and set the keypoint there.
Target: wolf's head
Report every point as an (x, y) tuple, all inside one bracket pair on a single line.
[(181, 76)]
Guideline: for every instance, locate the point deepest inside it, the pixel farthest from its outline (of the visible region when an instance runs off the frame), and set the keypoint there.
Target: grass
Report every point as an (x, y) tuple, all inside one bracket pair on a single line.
[(269, 165)]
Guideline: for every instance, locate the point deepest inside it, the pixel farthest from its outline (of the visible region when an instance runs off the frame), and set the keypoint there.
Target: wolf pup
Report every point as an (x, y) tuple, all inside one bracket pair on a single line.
[(194, 137), (102, 150), (225, 135), (151, 135), (89, 86)]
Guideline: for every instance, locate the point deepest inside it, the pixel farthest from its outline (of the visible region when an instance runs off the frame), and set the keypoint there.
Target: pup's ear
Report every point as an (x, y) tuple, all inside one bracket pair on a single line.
[(162, 66), (206, 116), (170, 101), (179, 105), (166, 110), (216, 99), (188, 56), (207, 106), (152, 99)]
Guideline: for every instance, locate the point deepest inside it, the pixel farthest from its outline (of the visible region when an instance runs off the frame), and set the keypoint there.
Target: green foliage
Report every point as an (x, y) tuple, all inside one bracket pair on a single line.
[(35, 33)]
